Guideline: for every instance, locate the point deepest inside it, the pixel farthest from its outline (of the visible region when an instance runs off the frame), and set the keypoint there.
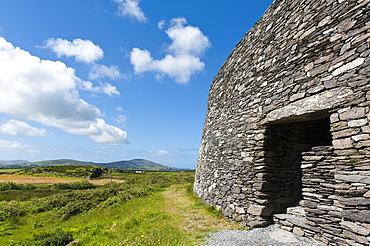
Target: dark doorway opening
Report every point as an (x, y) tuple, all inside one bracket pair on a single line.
[(284, 143)]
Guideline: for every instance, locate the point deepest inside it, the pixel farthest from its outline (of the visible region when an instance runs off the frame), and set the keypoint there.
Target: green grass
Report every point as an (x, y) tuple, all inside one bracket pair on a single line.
[(20, 195), (142, 211), (137, 222), (10, 170), (74, 170), (141, 221)]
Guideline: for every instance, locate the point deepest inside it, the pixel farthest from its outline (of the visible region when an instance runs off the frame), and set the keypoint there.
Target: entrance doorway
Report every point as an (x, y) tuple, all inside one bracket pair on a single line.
[(284, 143)]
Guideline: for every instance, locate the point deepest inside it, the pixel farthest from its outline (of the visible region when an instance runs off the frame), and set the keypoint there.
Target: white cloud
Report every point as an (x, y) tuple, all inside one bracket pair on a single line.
[(105, 88), (186, 39), (34, 151), (131, 9), (163, 153), (120, 119), (161, 24), (183, 58), (160, 152), (83, 50), (20, 128), (16, 147), (4, 144), (110, 90), (102, 71), (46, 92)]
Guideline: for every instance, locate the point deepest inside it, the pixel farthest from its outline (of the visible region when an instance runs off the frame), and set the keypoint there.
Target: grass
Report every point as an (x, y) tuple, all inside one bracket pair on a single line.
[(10, 170), (16, 195), (47, 179), (165, 214)]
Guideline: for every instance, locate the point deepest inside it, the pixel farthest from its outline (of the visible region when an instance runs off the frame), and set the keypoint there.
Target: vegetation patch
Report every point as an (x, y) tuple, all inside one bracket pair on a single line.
[(10, 170), (68, 171), (56, 238), (148, 209)]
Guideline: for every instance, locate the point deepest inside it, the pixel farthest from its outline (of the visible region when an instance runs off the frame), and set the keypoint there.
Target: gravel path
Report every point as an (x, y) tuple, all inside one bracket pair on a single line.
[(268, 236)]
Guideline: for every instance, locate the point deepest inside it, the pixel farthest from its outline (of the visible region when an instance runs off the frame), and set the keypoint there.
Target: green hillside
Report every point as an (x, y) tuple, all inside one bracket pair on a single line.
[(134, 164), (13, 162), (138, 164), (60, 162)]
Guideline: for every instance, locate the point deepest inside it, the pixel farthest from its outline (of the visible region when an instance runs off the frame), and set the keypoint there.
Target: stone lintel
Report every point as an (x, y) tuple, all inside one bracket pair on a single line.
[(323, 101)]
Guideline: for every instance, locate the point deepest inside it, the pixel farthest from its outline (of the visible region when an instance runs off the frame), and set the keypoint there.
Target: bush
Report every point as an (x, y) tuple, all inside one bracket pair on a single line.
[(13, 186), (74, 208), (82, 185), (56, 238), (11, 210)]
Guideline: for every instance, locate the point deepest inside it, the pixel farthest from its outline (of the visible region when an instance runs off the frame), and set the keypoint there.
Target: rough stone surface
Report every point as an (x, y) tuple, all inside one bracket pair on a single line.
[(288, 123)]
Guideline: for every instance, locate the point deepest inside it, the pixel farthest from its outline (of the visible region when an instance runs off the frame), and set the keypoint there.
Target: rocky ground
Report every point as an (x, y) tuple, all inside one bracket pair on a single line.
[(268, 236)]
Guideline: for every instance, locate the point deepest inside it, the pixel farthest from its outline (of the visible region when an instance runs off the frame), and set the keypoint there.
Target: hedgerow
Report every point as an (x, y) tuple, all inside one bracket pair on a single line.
[(13, 186), (82, 185)]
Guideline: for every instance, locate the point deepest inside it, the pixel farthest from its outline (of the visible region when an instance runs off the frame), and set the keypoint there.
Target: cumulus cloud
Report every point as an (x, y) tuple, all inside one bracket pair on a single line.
[(183, 58), (101, 71), (46, 92), (161, 24), (83, 50), (105, 88), (5, 144), (21, 128), (120, 119), (130, 8)]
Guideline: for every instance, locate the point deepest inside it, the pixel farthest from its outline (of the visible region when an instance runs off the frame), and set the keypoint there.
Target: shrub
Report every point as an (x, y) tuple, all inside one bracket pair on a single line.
[(11, 210), (82, 185), (13, 186), (74, 208), (56, 238)]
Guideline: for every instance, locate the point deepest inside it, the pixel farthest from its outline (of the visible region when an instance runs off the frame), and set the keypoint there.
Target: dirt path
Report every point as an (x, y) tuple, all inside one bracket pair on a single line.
[(37, 180), (228, 234), (178, 203)]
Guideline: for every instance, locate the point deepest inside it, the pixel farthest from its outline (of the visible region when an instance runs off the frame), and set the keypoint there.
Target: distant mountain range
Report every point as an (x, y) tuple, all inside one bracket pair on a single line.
[(13, 162), (137, 164)]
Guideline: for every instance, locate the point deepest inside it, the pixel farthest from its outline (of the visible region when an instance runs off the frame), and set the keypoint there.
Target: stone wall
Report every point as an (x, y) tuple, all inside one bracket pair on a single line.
[(335, 203), (297, 80)]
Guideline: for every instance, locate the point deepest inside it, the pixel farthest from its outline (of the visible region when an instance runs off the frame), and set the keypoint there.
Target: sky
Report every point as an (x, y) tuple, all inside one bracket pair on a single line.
[(110, 80)]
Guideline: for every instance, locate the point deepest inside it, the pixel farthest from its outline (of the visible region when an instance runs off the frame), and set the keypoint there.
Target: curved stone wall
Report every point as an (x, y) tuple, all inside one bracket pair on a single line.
[(300, 78)]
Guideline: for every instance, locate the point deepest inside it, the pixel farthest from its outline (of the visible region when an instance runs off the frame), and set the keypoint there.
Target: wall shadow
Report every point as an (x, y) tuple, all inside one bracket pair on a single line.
[(284, 144)]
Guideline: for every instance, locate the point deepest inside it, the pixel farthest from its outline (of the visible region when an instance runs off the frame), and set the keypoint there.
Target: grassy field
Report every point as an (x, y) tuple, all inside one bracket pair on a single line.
[(146, 209), (9, 170), (47, 180)]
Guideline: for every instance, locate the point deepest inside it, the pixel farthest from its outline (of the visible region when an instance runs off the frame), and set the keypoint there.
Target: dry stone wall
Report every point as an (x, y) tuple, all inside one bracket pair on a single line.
[(286, 138)]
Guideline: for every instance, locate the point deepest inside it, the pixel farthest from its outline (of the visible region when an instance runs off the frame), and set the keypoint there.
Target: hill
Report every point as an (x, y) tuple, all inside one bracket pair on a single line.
[(134, 164), (60, 162), (137, 164), (5, 163)]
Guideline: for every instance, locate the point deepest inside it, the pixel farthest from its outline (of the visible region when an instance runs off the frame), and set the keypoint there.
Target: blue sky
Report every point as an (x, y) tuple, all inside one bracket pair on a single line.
[(108, 80)]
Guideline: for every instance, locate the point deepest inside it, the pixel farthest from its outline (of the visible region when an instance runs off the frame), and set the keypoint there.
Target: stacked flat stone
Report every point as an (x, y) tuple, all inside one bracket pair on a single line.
[(299, 79), (333, 210)]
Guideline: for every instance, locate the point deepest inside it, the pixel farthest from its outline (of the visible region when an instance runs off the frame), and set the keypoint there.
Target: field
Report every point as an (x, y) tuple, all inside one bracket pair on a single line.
[(46, 180), (144, 209), (9, 170)]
